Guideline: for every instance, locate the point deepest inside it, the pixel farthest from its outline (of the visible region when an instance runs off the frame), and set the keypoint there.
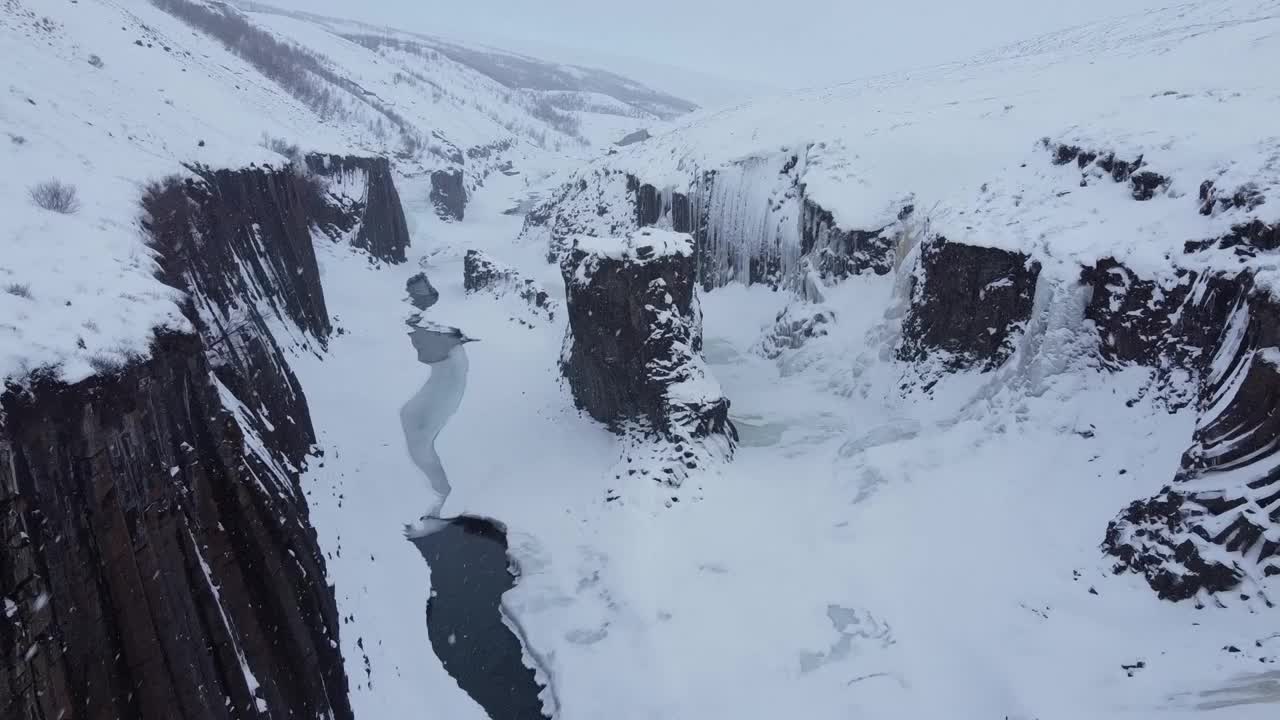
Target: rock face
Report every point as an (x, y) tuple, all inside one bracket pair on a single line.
[(967, 302), (159, 567), (422, 294), (359, 194), (483, 273), (1136, 317), (165, 565), (633, 354), (1216, 527), (239, 243), (838, 253), (448, 194)]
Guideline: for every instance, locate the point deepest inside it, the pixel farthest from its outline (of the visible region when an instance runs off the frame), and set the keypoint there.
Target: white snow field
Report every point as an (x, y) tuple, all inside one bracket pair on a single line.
[(870, 553)]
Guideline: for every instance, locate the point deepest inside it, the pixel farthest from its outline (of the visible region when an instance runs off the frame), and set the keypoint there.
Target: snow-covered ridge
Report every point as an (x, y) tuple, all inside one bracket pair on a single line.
[(1188, 89)]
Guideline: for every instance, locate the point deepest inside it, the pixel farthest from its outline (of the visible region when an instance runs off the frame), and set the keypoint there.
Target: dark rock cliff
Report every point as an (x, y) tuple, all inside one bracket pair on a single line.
[(1136, 317), (239, 243), (158, 567), (164, 565), (1216, 526), (358, 194), (967, 303), (633, 354), (449, 194)]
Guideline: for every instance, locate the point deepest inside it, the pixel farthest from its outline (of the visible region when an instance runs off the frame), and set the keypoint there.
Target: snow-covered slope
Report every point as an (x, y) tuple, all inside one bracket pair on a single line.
[(581, 104), (109, 95)]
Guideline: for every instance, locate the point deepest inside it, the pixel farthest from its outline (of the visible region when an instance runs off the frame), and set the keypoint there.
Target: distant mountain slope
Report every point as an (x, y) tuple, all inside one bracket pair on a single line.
[(513, 70)]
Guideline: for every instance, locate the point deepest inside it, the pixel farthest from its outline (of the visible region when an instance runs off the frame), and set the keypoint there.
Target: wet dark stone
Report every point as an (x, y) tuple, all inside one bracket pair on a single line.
[(448, 194), (967, 302), (470, 570), (422, 294)]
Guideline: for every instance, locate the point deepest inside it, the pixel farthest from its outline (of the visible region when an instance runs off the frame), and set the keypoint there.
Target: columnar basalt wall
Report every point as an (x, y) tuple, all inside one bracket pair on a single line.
[(163, 561), (633, 355), (357, 197)]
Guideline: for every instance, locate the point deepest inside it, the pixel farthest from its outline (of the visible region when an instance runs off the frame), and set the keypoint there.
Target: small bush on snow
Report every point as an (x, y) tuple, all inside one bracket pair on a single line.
[(56, 196), (283, 147), (95, 61), (21, 290)]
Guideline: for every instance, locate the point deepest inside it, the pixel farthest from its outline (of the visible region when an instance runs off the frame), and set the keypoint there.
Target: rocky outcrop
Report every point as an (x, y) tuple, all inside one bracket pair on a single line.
[(163, 563), (633, 354), (483, 273), (1137, 319), (837, 253), (356, 197), (1098, 164), (449, 194), (794, 326), (1216, 526), (157, 566), (632, 138), (967, 303)]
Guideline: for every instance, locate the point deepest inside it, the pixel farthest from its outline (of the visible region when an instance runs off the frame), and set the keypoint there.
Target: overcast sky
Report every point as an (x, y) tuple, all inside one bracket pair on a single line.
[(732, 47)]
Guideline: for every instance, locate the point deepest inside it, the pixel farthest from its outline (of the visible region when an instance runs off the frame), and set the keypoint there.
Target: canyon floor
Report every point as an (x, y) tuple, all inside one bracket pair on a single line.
[(871, 552)]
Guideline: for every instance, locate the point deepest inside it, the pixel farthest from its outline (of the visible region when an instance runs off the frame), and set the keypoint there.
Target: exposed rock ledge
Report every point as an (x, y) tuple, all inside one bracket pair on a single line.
[(633, 354), (484, 273)]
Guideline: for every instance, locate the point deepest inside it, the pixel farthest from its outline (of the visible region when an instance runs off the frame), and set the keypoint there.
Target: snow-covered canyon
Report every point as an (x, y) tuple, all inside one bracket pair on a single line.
[(945, 394)]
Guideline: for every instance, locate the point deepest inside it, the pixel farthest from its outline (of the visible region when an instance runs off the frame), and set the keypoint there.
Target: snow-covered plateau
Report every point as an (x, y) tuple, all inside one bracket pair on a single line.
[(951, 393)]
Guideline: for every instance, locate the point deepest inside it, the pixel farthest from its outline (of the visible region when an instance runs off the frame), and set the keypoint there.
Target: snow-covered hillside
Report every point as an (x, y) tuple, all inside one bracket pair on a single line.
[(581, 104), (109, 95)]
